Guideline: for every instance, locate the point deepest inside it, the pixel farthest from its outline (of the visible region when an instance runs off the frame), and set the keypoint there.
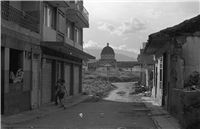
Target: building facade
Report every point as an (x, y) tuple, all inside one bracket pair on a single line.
[(177, 58), (41, 41)]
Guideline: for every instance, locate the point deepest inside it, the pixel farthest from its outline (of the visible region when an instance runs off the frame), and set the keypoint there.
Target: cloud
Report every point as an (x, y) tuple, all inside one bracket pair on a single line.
[(107, 26), (127, 27), (110, 28), (133, 26), (91, 44), (124, 38)]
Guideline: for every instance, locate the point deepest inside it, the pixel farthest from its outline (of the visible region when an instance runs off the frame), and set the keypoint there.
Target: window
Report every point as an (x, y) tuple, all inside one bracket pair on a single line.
[(50, 16), (16, 66), (47, 16), (67, 30), (76, 35), (61, 21)]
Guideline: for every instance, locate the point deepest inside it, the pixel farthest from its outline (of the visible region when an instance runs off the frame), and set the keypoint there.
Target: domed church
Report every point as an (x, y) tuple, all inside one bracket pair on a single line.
[(107, 54), (108, 61)]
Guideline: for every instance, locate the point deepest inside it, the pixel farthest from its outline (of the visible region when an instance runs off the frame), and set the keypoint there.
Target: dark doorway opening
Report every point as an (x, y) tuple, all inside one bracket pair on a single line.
[(164, 79), (2, 78)]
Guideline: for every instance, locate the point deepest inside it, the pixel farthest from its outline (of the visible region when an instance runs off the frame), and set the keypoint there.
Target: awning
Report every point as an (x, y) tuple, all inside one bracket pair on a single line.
[(67, 49)]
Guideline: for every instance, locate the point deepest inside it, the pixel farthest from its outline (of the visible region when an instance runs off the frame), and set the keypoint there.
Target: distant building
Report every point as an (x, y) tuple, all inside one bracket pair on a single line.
[(108, 61), (107, 54)]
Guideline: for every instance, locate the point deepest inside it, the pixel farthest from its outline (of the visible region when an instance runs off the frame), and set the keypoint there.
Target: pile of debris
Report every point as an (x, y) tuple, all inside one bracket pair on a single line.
[(141, 90), (97, 88)]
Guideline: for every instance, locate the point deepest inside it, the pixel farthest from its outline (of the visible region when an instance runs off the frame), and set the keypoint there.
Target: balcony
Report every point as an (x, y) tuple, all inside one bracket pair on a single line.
[(78, 14), (61, 3), (9, 13)]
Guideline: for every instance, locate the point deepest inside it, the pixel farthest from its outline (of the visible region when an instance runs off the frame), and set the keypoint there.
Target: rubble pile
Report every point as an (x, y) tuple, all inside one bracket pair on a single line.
[(97, 88), (141, 90)]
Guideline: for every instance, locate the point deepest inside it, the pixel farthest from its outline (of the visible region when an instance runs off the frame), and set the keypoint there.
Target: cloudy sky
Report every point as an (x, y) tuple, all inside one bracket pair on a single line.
[(126, 24)]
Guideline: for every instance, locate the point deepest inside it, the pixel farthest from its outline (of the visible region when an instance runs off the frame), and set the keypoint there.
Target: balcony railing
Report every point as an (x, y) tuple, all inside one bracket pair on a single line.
[(9, 13), (79, 6)]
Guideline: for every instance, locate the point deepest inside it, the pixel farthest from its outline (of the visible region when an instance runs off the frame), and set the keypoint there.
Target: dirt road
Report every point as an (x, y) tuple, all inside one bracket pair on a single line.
[(123, 93)]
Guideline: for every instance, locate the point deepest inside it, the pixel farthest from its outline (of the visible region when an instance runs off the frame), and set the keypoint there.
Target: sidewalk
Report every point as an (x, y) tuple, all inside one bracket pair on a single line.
[(161, 117), (43, 111)]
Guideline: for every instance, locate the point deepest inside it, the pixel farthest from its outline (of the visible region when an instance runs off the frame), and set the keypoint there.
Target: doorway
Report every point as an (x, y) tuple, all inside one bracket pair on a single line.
[(164, 96), (2, 79)]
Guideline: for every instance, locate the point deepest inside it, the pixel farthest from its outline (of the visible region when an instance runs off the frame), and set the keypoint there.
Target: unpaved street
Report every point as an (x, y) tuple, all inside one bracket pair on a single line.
[(118, 111)]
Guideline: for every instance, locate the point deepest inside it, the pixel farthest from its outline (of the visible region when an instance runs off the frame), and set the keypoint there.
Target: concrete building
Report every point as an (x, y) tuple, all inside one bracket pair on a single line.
[(41, 41), (177, 57)]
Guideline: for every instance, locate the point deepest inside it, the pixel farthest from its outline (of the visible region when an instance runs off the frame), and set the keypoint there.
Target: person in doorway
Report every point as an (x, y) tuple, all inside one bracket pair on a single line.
[(57, 91), (19, 76), (62, 92)]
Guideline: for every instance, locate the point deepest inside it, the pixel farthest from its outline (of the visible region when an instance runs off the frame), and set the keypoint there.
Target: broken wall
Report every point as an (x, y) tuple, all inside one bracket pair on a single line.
[(191, 55)]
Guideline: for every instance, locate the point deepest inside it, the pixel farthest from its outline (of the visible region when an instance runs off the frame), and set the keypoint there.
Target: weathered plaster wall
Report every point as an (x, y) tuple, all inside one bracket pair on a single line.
[(191, 55)]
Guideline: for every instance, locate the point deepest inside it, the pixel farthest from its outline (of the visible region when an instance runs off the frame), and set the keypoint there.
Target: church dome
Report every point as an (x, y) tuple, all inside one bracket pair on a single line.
[(107, 50)]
